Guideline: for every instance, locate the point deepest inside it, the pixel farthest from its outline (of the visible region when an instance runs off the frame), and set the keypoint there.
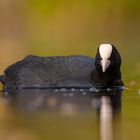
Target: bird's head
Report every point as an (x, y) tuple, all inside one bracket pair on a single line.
[(107, 58)]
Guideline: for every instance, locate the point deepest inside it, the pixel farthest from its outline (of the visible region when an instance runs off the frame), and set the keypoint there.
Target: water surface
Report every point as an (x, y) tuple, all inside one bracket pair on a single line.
[(72, 114)]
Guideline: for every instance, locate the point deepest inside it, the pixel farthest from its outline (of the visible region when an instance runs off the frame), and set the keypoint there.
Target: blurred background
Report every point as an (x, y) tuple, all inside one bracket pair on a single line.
[(63, 27), (67, 27)]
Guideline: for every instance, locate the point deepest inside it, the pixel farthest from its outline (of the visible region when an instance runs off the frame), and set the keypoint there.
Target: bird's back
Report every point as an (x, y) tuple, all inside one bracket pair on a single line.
[(50, 71)]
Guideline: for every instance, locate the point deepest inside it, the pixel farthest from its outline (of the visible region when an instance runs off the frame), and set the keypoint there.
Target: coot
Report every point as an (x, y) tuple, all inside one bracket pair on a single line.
[(66, 71)]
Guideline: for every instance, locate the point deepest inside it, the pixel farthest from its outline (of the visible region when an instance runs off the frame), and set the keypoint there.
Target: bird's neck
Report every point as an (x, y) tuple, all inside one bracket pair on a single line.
[(107, 78)]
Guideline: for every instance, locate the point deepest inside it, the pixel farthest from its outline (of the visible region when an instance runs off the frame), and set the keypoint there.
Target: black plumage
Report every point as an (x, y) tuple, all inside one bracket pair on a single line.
[(63, 71), (112, 76)]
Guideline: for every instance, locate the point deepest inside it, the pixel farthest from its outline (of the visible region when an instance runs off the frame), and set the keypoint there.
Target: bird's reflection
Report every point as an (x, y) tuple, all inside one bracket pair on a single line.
[(70, 102), (82, 100)]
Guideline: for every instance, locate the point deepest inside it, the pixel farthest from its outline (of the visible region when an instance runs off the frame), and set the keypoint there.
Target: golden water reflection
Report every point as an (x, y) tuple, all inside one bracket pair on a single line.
[(37, 114)]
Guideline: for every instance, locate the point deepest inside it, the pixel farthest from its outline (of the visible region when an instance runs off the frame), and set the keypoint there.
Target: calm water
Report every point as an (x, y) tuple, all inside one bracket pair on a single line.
[(71, 114)]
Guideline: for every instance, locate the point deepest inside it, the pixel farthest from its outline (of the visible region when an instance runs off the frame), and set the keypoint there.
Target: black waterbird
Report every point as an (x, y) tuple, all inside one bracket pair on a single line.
[(66, 71)]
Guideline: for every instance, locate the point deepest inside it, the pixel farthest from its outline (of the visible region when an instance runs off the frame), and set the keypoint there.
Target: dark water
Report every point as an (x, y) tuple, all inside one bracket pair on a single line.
[(67, 114)]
